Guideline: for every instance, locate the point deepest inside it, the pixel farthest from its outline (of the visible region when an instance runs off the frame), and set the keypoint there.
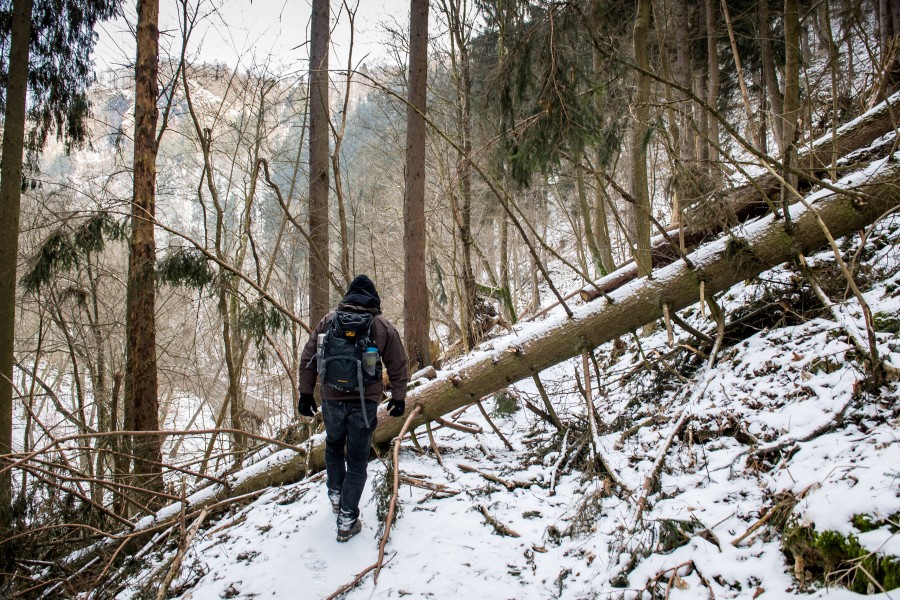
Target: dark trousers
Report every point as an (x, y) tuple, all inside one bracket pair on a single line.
[(345, 426)]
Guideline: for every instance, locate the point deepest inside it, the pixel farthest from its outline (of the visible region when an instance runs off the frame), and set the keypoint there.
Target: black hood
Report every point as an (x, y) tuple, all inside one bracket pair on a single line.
[(362, 292)]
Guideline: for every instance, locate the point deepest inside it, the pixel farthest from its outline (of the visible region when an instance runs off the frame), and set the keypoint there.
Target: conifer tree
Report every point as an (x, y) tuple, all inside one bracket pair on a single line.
[(10, 194), (46, 46), (141, 400)]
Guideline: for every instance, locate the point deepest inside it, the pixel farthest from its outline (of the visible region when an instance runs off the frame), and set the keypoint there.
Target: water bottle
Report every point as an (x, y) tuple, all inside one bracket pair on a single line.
[(370, 360), (320, 353)]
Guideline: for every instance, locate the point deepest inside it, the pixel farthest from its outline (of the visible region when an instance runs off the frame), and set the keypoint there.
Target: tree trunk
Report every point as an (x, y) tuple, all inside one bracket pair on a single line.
[(585, 213), (140, 321), (684, 189), (505, 282), (10, 199), (885, 27), (601, 229), (600, 222), (639, 141), (889, 19), (791, 108), (712, 86), (776, 102), (416, 319), (319, 156), (455, 13)]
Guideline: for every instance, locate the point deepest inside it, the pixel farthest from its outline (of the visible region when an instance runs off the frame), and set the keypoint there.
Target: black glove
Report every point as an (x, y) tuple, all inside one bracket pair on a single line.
[(396, 408), (306, 406)]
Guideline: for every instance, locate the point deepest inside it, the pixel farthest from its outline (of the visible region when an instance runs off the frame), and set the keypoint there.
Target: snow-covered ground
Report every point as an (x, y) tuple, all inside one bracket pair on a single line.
[(791, 375)]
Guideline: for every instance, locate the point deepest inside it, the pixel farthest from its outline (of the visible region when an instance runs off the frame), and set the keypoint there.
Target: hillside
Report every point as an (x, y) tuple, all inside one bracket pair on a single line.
[(781, 431)]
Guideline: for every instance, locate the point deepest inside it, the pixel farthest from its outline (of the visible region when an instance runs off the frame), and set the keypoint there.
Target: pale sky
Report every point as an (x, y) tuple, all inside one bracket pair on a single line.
[(254, 31)]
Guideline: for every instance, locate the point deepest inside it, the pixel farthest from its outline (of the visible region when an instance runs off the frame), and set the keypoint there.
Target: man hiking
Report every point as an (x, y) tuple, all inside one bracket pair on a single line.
[(348, 350)]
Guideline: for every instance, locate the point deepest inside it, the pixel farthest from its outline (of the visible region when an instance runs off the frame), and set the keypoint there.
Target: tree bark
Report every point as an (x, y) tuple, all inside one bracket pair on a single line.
[(319, 156), (885, 27), (791, 107), (685, 191), (712, 85), (461, 199), (10, 200), (585, 212), (600, 222), (776, 102), (140, 321), (639, 142), (416, 318)]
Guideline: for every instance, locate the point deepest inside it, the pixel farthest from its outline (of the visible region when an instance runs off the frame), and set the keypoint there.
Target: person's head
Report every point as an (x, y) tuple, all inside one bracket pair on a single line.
[(362, 292)]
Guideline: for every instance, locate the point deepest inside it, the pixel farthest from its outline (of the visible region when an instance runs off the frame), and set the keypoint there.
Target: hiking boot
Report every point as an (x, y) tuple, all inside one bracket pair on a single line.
[(334, 496), (345, 534)]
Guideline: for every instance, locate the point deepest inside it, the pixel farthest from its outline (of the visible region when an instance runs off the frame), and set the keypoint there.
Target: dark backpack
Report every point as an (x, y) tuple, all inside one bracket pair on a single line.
[(341, 353)]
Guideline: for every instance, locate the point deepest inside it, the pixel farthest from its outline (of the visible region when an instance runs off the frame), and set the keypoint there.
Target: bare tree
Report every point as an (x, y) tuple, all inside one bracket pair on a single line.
[(416, 318), (639, 134), (319, 158), (791, 107)]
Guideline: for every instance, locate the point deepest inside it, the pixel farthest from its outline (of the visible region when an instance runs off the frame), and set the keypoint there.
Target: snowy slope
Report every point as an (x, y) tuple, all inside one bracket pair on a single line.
[(786, 380)]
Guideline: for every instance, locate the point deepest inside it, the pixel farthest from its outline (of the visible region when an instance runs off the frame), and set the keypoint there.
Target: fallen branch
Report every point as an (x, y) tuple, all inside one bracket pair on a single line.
[(457, 426), (539, 412), (395, 493), (510, 485), (494, 427), (179, 556), (562, 455), (658, 419), (349, 586), (427, 485), (434, 446), (692, 330), (749, 200), (652, 476), (545, 398), (497, 525), (781, 510)]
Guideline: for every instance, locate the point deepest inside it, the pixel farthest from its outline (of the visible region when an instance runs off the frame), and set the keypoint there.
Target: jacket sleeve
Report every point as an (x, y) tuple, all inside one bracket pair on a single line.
[(306, 380), (393, 356)]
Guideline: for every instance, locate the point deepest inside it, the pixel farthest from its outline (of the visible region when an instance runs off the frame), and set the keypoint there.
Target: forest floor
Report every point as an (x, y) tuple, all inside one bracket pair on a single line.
[(780, 429)]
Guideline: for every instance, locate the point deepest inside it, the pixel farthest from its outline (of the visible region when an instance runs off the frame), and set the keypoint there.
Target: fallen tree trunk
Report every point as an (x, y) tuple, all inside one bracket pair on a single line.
[(720, 264), (752, 199), (816, 158)]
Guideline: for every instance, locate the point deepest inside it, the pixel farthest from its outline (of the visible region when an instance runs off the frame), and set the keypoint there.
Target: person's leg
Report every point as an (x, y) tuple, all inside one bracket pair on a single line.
[(359, 438), (334, 416)]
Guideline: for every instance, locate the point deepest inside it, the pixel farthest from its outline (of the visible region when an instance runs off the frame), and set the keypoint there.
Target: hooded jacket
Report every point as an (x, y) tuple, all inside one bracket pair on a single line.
[(361, 297)]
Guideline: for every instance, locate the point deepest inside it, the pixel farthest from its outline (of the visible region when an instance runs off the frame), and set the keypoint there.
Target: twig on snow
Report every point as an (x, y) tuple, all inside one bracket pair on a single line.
[(510, 485), (395, 493), (497, 525), (657, 465), (179, 556), (494, 427)]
